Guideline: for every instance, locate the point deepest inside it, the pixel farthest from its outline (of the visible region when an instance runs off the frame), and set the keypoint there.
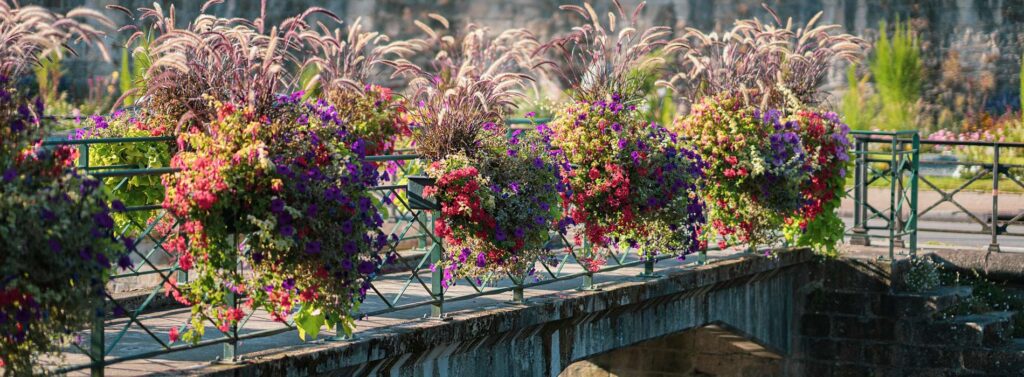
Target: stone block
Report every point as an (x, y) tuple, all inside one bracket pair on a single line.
[(946, 333), (925, 304), (878, 354), (819, 348), (994, 329), (1008, 360), (927, 357), (815, 368), (850, 327), (850, 370), (817, 325), (833, 302)]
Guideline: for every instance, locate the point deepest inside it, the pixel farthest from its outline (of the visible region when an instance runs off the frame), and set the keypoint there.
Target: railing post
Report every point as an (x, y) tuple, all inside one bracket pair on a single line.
[(892, 199), (518, 293), (994, 226), (915, 164), (97, 344), (229, 353), (897, 176), (588, 276), (436, 277), (648, 266), (860, 195)]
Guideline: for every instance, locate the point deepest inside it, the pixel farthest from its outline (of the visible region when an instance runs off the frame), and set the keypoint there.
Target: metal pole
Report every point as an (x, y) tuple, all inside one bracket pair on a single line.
[(97, 344), (588, 278), (994, 246), (518, 295), (897, 175), (230, 349), (892, 200), (436, 277), (860, 193), (915, 176), (648, 266)]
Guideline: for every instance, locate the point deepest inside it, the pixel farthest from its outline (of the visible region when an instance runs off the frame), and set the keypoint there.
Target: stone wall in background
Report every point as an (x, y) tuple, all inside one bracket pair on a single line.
[(972, 47)]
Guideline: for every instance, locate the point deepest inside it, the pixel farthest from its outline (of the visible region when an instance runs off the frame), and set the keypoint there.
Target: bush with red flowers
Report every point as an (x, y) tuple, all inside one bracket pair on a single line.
[(276, 211)]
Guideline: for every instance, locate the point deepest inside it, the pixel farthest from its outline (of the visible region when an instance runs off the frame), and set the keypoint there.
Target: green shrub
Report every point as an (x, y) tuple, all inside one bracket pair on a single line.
[(897, 71)]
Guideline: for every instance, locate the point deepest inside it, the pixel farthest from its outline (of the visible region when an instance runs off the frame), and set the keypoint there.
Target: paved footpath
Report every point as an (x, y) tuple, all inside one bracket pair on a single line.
[(978, 203)]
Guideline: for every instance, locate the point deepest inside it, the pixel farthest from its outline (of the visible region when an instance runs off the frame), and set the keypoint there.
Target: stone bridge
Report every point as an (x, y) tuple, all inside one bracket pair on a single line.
[(748, 294)]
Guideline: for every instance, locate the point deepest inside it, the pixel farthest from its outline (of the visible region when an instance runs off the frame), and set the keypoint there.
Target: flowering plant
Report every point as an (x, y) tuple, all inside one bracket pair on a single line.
[(277, 211), (55, 239), (628, 181), (375, 115), (826, 141), (755, 168), (495, 186), (55, 225), (495, 218), (345, 62), (769, 170)]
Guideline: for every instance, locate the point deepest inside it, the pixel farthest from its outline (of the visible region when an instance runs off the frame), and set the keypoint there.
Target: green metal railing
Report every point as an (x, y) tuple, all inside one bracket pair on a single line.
[(892, 157), (417, 286), (996, 170)]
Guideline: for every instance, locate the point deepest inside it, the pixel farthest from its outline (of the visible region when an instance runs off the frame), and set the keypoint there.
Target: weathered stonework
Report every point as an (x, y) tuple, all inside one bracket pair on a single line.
[(855, 324), (752, 294)]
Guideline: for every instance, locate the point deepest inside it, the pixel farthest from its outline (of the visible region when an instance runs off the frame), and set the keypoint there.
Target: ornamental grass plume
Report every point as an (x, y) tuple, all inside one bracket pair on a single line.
[(343, 67), (599, 59), (468, 85), (497, 188), (234, 60), (29, 33), (758, 61), (628, 181)]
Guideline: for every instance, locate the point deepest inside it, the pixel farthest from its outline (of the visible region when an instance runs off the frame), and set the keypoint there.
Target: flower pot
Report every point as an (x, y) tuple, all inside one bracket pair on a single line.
[(416, 200)]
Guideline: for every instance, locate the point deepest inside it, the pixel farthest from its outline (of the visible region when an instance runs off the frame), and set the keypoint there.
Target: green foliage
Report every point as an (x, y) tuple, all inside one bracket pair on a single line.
[(137, 190), (923, 275), (823, 234), (133, 69), (857, 108), (1021, 93), (897, 70), (48, 72)]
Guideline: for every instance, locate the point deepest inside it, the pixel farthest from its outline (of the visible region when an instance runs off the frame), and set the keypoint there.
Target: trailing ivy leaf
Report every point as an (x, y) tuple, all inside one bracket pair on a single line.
[(309, 321)]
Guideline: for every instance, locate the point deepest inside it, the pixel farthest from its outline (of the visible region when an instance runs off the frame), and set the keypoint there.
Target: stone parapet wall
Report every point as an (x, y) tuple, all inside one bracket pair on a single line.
[(853, 324)]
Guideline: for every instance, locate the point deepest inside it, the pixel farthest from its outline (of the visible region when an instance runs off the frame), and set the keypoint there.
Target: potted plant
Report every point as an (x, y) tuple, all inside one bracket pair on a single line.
[(56, 243), (629, 181), (495, 188), (774, 158), (272, 191)]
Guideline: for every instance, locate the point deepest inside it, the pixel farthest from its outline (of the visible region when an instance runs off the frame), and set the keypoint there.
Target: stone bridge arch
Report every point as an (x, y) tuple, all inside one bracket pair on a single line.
[(712, 350)]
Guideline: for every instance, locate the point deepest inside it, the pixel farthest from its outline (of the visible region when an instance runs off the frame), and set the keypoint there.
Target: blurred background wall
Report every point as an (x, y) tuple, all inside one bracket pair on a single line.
[(970, 46)]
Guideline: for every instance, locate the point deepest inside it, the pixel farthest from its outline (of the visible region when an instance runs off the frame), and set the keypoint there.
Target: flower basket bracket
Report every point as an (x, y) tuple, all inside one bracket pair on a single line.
[(416, 199)]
